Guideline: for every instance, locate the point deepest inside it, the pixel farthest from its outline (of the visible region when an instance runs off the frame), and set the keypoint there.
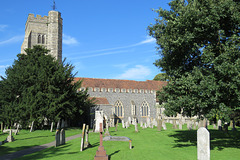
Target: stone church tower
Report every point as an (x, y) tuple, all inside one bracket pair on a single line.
[(45, 31)]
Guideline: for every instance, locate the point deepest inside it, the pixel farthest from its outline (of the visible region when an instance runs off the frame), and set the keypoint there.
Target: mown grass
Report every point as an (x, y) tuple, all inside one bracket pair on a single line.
[(148, 144), (25, 139)]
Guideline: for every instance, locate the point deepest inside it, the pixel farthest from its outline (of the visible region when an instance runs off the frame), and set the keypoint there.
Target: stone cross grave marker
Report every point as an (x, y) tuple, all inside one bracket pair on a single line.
[(203, 144), (82, 139), (57, 138), (86, 143), (101, 153)]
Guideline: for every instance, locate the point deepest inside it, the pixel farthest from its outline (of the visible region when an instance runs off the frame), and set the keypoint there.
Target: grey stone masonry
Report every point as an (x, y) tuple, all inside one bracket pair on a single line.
[(45, 31), (203, 144)]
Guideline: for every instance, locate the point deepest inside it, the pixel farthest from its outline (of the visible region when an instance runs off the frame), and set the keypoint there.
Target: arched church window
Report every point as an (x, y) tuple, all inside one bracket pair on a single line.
[(118, 109), (145, 109), (43, 39), (133, 108), (39, 38)]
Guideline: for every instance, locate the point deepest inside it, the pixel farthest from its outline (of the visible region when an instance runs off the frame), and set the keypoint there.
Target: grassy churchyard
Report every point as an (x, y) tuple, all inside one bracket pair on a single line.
[(148, 144)]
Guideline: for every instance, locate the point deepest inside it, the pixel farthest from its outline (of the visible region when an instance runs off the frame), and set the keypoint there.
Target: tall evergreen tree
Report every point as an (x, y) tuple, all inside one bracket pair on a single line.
[(37, 86), (199, 45)]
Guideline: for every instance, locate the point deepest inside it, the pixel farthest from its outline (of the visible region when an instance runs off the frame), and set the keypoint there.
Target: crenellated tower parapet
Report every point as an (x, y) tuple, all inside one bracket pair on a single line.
[(45, 31)]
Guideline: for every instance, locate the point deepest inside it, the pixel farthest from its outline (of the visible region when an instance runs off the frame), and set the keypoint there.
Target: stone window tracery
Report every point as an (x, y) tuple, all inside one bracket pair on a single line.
[(144, 109), (133, 108), (39, 38), (118, 109)]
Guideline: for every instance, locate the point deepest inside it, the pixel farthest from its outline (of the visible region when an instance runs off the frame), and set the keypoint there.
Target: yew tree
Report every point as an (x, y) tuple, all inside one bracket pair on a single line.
[(199, 45), (37, 87)]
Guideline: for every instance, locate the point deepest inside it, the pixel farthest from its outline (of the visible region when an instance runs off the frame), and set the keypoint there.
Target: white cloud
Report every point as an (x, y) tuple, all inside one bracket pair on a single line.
[(68, 40), (139, 72), (148, 40), (124, 65), (2, 27), (12, 40)]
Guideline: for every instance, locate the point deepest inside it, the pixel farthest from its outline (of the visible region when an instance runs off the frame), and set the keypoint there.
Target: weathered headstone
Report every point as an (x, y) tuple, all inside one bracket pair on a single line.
[(10, 137), (83, 137), (86, 143), (145, 125), (194, 124), (203, 144), (116, 125), (51, 127), (141, 124), (32, 126), (164, 125), (99, 119), (219, 125), (129, 120), (62, 137), (17, 129), (107, 131), (57, 138), (148, 122), (1, 126), (127, 124), (136, 127), (123, 124), (174, 124), (180, 125), (101, 153), (159, 125)]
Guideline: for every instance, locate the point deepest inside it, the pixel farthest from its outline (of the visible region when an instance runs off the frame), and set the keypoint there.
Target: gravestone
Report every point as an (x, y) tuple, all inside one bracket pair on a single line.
[(225, 127), (101, 153), (159, 125), (99, 119), (129, 120), (123, 124), (116, 125), (32, 126), (127, 124), (62, 137), (180, 125), (111, 120), (148, 122), (219, 125), (86, 143), (51, 127), (10, 137), (194, 124), (141, 124), (145, 125), (136, 127), (83, 137), (57, 138), (203, 144), (174, 124), (164, 125)]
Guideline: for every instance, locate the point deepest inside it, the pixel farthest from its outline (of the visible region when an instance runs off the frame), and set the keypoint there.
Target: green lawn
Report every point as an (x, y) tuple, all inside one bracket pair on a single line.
[(25, 139), (148, 144)]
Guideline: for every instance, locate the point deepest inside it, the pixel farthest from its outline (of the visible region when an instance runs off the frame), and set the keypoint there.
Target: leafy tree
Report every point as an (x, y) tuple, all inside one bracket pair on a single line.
[(199, 45), (161, 77), (37, 86)]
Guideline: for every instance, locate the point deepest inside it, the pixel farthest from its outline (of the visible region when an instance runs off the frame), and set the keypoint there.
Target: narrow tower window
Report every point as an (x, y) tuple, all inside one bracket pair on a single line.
[(39, 38)]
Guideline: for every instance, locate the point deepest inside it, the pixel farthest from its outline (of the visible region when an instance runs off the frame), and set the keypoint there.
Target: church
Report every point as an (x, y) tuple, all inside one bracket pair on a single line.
[(118, 98)]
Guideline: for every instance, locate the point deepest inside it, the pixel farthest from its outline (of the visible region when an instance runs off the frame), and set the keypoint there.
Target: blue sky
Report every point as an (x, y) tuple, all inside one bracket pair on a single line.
[(101, 38)]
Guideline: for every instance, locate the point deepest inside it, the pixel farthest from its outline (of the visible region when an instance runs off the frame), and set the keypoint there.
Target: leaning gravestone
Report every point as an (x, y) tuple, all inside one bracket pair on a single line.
[(57, 138), (203, 144), (83, 137), (123, 124), (99, 119), (159, 125), (86, 143)]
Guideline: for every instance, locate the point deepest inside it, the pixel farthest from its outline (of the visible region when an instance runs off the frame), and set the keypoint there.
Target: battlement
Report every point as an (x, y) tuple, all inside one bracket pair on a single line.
[(38, 17), (118, 90)]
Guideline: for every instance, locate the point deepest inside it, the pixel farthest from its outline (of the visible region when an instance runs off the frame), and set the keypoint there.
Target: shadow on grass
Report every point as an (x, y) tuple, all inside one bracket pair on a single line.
[(92, 146), (113, 154), (218, 139)]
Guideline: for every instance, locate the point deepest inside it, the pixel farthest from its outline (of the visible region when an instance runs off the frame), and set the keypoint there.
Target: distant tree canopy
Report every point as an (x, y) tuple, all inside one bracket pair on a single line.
[(37, 86), (199, 46)]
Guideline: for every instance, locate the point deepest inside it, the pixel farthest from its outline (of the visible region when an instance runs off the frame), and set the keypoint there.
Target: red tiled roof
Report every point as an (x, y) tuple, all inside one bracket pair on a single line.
[(100, 100), (122, 84)]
